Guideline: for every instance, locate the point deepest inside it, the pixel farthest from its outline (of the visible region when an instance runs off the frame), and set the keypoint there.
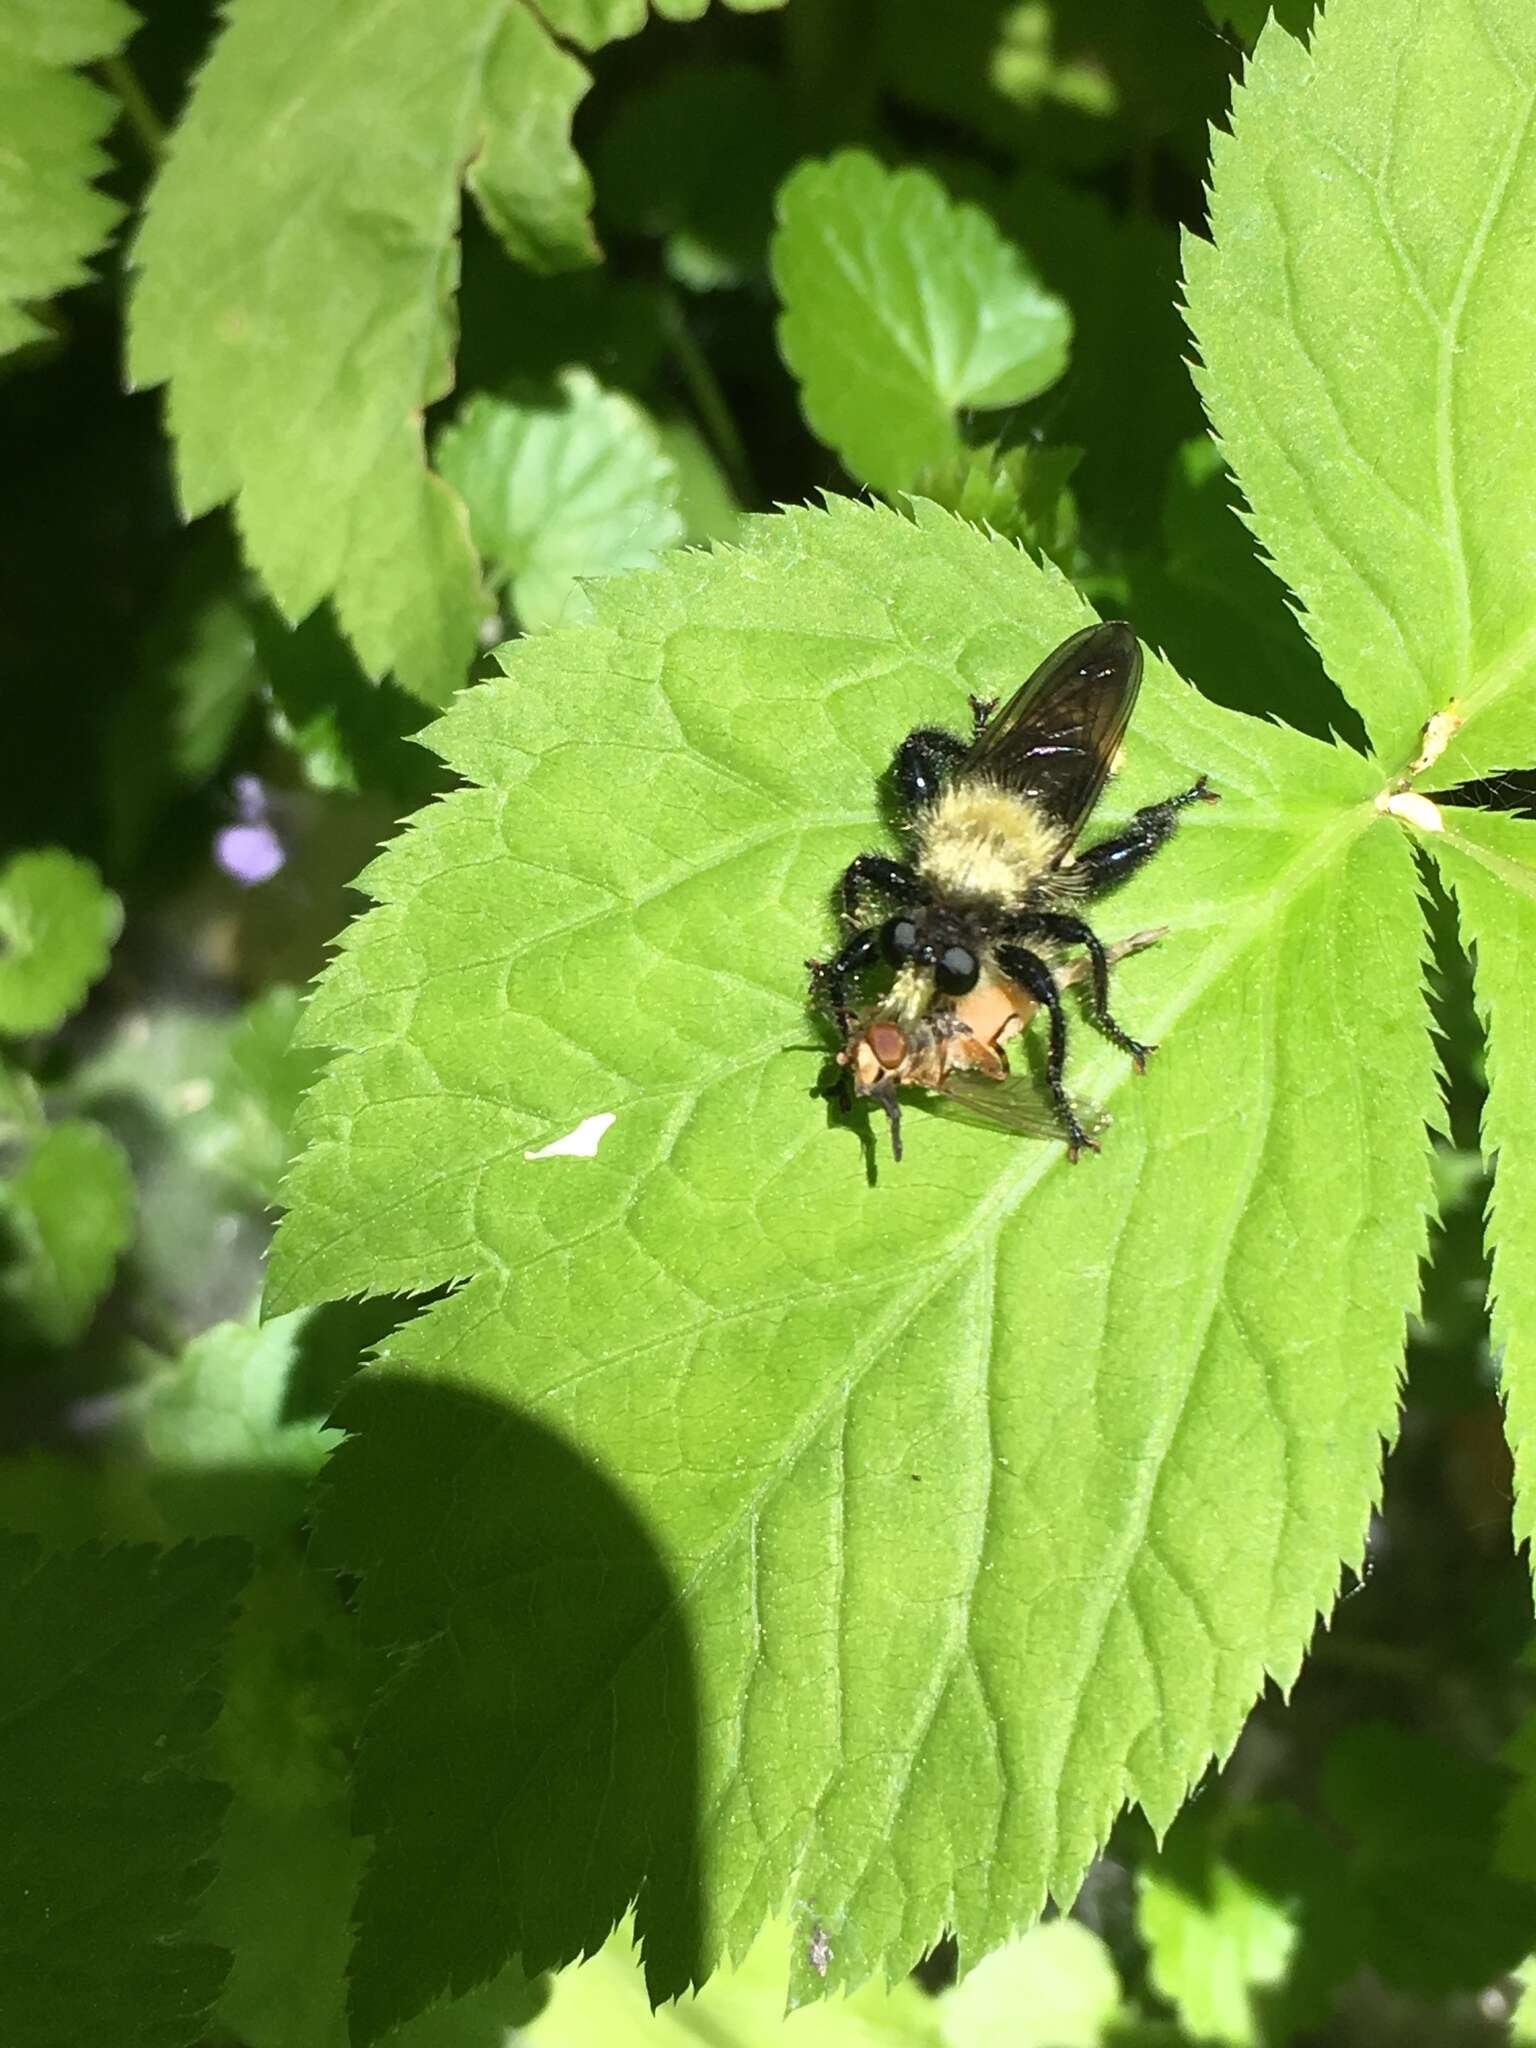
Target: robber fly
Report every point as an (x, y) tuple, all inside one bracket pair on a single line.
[(983, 914)]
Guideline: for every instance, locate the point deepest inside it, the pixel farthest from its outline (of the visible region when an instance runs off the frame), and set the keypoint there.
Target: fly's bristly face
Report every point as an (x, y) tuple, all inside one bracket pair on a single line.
[(982, 922)]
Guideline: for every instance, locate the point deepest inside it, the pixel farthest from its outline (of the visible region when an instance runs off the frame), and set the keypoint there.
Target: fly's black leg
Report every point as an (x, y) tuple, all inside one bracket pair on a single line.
[(924, 762), (830, 978), (1071, 931), (1113, 861), (982, 709), (1035, 977), (878, 872)]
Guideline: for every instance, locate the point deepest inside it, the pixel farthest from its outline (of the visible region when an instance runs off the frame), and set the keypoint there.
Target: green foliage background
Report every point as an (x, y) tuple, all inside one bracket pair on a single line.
[(625, 1517)]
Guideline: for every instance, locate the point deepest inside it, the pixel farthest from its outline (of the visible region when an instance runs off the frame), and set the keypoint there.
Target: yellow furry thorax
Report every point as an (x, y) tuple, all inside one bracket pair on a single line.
[(980, 842)]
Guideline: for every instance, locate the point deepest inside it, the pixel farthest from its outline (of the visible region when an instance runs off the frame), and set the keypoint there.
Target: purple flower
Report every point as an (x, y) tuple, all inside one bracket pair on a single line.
[(251, 851)]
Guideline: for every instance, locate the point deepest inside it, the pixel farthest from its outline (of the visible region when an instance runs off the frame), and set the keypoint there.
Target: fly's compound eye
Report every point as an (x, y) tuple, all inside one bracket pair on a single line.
[(898, 940), (955, 971)]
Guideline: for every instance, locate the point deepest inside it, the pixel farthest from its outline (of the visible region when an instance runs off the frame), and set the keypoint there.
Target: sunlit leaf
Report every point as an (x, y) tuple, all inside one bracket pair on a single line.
[(743, 2007), (877, 1519), (1364, 323), (297, 381), (1055, 1987), (57, 925), (66, 1215), (52, 217), (901, 309), (1490, 862), (576, 486)]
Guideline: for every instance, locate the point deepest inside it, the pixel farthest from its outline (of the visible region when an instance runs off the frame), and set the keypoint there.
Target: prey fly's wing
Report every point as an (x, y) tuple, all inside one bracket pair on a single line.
[(1014, 1105), (1056, 738)]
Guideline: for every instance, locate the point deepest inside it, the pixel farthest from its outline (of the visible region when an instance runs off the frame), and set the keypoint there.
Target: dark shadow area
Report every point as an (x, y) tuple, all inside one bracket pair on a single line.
[(531, 1764), (528, 1765)]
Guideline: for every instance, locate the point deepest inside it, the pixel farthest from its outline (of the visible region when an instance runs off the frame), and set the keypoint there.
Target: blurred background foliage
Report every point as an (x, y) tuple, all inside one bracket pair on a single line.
[(189, 786)]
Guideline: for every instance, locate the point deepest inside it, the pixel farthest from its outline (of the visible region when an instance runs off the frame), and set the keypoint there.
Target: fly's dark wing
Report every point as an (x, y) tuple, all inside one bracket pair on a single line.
[(1056, 738), (1015, 1105)]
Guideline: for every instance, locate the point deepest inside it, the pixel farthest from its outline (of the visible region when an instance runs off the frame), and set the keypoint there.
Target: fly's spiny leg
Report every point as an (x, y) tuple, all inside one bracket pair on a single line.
[(879, 873), (1036, 979), (1072, 931), (1113, 861), (830, 978)]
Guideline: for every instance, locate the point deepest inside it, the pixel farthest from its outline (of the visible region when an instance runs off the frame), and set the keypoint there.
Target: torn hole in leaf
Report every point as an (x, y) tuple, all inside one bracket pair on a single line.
[(582, 1143)]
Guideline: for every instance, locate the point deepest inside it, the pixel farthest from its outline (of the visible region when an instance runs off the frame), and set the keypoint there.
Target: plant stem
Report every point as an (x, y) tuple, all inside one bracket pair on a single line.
[(709, 402), (119, 76)]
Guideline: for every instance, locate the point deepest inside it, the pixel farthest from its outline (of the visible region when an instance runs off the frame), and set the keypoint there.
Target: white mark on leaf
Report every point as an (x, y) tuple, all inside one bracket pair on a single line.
[(582, 1143)]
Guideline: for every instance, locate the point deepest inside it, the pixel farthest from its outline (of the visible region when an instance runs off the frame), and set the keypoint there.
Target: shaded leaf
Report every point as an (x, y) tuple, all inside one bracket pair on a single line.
[(915, 1520), (901, 310), (57, 927), (1208, 600), (574, 487), (107, 1688), (694, 159), (1435, 1915), (1127, 408)]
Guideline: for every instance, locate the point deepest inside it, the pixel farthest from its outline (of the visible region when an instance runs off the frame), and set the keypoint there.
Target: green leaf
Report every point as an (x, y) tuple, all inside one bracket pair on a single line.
[(574, 487), (1208, 600), (1362, 321), (66, 1214), (997, 69), (52, 219), (1056, 1987), (204, 1103), (695, 159), (1019, 492), (1248, 17), (706, 504), (228, 1458), (57, 926), (1436, 1915), (763, 1454), (198, 676), (107, 1662), (349, 734), (591, 23), (288, 1862), (297, 383), (1490, 862), (1126, 408), (606, 2000), (900, 310), (1221, 1910)]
